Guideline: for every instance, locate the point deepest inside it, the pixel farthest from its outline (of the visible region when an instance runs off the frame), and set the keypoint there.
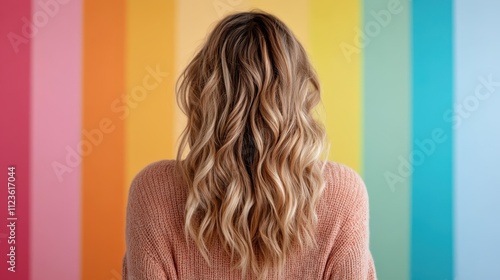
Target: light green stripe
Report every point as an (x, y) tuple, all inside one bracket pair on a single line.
[(387, 128)]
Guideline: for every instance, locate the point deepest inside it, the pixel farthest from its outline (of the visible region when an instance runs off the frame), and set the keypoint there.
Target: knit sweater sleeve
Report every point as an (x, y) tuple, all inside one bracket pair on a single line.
[(147, 254), (350, 258)]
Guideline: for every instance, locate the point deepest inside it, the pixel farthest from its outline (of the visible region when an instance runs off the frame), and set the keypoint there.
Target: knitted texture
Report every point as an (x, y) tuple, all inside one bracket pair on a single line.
[(156, 246)]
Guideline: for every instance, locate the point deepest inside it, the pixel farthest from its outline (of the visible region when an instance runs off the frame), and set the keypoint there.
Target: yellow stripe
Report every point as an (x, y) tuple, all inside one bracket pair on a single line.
[(333, 24), (149, 83)]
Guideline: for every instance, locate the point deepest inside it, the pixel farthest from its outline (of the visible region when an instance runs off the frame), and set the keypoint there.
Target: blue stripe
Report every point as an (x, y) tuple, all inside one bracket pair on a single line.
[(477, 137), (432, 139)]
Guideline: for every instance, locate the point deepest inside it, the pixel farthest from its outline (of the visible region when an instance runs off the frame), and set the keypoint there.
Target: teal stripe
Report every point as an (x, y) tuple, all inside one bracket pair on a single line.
[(432, 96), (387, 133)]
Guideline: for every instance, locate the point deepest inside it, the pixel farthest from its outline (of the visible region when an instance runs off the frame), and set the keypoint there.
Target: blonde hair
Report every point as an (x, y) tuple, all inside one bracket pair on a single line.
[(253, 169)]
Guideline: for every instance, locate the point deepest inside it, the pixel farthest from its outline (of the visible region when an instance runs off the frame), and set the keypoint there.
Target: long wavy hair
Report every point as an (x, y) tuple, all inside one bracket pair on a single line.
[(254, 167)]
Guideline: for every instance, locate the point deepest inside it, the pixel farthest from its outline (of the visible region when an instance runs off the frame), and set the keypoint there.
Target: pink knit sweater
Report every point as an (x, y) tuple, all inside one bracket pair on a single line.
[(156, 246)]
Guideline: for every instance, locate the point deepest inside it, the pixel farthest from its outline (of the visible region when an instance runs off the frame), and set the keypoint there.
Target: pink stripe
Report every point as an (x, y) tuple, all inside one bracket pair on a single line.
[(56, 80), (14, 136)]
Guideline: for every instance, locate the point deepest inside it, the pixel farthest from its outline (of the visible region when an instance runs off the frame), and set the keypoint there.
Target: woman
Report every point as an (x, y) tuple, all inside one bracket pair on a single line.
[(251, 199)]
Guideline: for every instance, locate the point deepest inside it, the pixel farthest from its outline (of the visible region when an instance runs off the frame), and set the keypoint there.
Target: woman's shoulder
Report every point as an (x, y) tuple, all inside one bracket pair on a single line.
[(156, 168), (343, 177), (161, 172), (345, 190), (156, 185), (154, 204)]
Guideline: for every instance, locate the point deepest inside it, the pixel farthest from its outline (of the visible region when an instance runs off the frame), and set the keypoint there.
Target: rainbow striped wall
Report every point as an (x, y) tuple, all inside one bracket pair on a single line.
[(410, 100)]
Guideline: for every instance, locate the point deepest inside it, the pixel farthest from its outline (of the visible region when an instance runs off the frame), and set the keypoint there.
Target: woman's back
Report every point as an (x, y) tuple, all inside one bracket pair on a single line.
[(157, 247)]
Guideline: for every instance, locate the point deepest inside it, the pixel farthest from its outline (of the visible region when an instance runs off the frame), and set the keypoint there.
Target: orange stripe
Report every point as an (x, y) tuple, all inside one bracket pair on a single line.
[(103, 192)]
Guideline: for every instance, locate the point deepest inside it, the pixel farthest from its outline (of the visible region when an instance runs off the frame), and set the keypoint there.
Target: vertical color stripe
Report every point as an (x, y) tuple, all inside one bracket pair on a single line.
[(432, 85), (103, 191), (477, 137), (149, 113), (56, 128), (387, 132), (333, 27), (15, 48)]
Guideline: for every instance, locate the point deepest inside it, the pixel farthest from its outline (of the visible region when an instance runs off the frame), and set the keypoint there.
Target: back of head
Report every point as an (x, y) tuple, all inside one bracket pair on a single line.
[(253, 168)]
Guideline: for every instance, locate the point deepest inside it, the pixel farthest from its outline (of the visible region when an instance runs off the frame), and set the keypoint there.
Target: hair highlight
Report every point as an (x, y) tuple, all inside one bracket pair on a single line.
[(253, 169)]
